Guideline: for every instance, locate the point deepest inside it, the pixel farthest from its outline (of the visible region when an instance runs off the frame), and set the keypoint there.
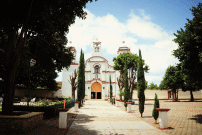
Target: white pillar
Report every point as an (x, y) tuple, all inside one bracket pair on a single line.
[(128, 108), (76, 106), (63, 119), (163, 122), (117, 103)]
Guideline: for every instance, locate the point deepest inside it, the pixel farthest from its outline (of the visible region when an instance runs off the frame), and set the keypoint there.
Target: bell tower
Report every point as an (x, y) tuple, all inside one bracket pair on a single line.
[(97, 48)]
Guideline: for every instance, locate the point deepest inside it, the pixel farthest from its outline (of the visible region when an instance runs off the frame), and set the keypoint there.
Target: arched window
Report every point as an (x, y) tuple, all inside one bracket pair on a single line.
[(97, 69)]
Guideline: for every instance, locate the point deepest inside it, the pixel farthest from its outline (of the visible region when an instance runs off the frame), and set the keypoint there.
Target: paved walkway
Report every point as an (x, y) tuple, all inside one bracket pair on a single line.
[(100, 117), (184, 117)]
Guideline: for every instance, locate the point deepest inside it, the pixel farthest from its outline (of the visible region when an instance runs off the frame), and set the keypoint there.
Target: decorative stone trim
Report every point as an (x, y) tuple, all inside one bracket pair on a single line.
[(130, 102), (88, 71), (63, 110), (162, 109), (76, 101), (74, 63)]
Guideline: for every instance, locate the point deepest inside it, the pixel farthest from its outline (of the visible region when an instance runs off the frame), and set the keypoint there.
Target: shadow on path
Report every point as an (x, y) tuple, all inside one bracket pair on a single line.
[(197, 118)]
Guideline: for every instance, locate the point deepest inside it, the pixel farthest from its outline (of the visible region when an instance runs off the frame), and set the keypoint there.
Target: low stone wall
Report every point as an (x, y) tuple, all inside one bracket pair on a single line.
[(20, 124), (163, 94)]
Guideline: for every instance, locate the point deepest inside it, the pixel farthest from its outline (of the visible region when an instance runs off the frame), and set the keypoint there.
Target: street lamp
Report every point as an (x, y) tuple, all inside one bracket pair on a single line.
[(32, 62)]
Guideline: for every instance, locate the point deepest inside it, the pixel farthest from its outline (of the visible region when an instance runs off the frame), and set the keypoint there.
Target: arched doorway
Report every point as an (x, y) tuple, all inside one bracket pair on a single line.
[(96, 91)]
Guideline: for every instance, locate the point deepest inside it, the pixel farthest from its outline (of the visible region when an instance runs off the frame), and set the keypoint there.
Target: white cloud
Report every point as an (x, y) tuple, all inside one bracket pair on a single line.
[(144, 29), (142, 13)]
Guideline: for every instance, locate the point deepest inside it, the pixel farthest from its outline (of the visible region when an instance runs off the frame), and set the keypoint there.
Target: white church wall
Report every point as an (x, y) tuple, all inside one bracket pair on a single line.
[(66, 86)]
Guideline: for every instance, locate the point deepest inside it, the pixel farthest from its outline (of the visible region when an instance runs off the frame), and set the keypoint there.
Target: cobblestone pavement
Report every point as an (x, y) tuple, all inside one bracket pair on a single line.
[(101, 117), (184, 118)]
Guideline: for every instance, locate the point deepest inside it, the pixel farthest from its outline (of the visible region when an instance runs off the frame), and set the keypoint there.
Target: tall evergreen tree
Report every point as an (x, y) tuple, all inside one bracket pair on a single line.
[(80, 80), (140, 84), (84, 86), (155, 112), (110, 88), (126, 90)]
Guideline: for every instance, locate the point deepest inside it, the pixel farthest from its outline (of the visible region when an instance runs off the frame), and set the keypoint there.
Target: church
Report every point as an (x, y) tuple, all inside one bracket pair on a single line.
[(97, 73)]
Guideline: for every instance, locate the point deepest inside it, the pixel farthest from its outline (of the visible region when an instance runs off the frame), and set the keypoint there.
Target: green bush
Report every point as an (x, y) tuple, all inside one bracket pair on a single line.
[(114, 101), (155, 112)]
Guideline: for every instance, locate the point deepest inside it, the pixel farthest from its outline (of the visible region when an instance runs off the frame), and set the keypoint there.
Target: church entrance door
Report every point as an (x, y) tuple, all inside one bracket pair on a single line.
[(98, 95), (97, 89)]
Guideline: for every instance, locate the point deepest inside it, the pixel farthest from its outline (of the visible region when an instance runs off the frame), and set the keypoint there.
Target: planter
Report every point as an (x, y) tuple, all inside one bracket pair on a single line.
[(63, 117), (76, 102), (117, 102), (63, 110), (129, 106), (76, 105), (163, 122), (22, 123)]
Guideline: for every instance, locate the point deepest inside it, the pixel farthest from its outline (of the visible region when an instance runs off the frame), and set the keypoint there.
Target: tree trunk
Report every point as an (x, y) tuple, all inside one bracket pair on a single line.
[(141, 115), (176, 96), (12, 62), (155, 121), (192, 97), (73, 94), (7, 106)]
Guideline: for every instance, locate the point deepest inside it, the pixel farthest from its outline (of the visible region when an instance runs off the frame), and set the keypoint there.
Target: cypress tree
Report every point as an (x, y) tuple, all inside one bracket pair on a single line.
[(84, 83), (140, 84), (110, 89), (155, 112), (80, 81), (126, 91)]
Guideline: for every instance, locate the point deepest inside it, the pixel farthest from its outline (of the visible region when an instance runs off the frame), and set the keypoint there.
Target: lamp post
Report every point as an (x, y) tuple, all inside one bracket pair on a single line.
[(32, 62)]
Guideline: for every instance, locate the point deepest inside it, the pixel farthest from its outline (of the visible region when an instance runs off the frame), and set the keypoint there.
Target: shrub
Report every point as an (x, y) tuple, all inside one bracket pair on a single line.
[(155, 112)]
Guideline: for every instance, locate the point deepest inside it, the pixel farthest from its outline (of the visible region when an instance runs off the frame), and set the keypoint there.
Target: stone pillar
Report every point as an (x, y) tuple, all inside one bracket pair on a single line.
[(163, 122), (129, 107), (76, 106), (117, 103), (62, 118)]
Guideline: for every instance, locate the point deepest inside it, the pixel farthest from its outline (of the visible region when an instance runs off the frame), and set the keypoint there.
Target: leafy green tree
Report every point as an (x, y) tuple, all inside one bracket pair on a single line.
[(80, 85), (110, 89), (121, 94), (155, 112), (153, 86), (172, 80), (141, 84), (132, 60), (146, 84), (43, 22), (126, 90), (189, 51)]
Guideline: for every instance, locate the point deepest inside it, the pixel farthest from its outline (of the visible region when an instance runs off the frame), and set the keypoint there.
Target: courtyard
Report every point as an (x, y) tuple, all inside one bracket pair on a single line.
[(101, 117)]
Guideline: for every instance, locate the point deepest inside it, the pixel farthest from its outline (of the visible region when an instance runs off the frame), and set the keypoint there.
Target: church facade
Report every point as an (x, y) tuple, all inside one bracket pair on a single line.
[(97, 73)]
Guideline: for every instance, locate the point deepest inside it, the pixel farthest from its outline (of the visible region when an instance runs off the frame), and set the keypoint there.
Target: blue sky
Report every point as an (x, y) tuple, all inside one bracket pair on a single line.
[(143, 24)]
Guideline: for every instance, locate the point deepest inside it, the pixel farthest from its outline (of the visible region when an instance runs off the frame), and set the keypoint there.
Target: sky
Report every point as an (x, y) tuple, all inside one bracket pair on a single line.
[(147, 25)]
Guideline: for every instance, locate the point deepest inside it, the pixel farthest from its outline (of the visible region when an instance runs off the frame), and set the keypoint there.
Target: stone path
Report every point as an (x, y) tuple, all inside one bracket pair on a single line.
[(184, 118), (100, 117)]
